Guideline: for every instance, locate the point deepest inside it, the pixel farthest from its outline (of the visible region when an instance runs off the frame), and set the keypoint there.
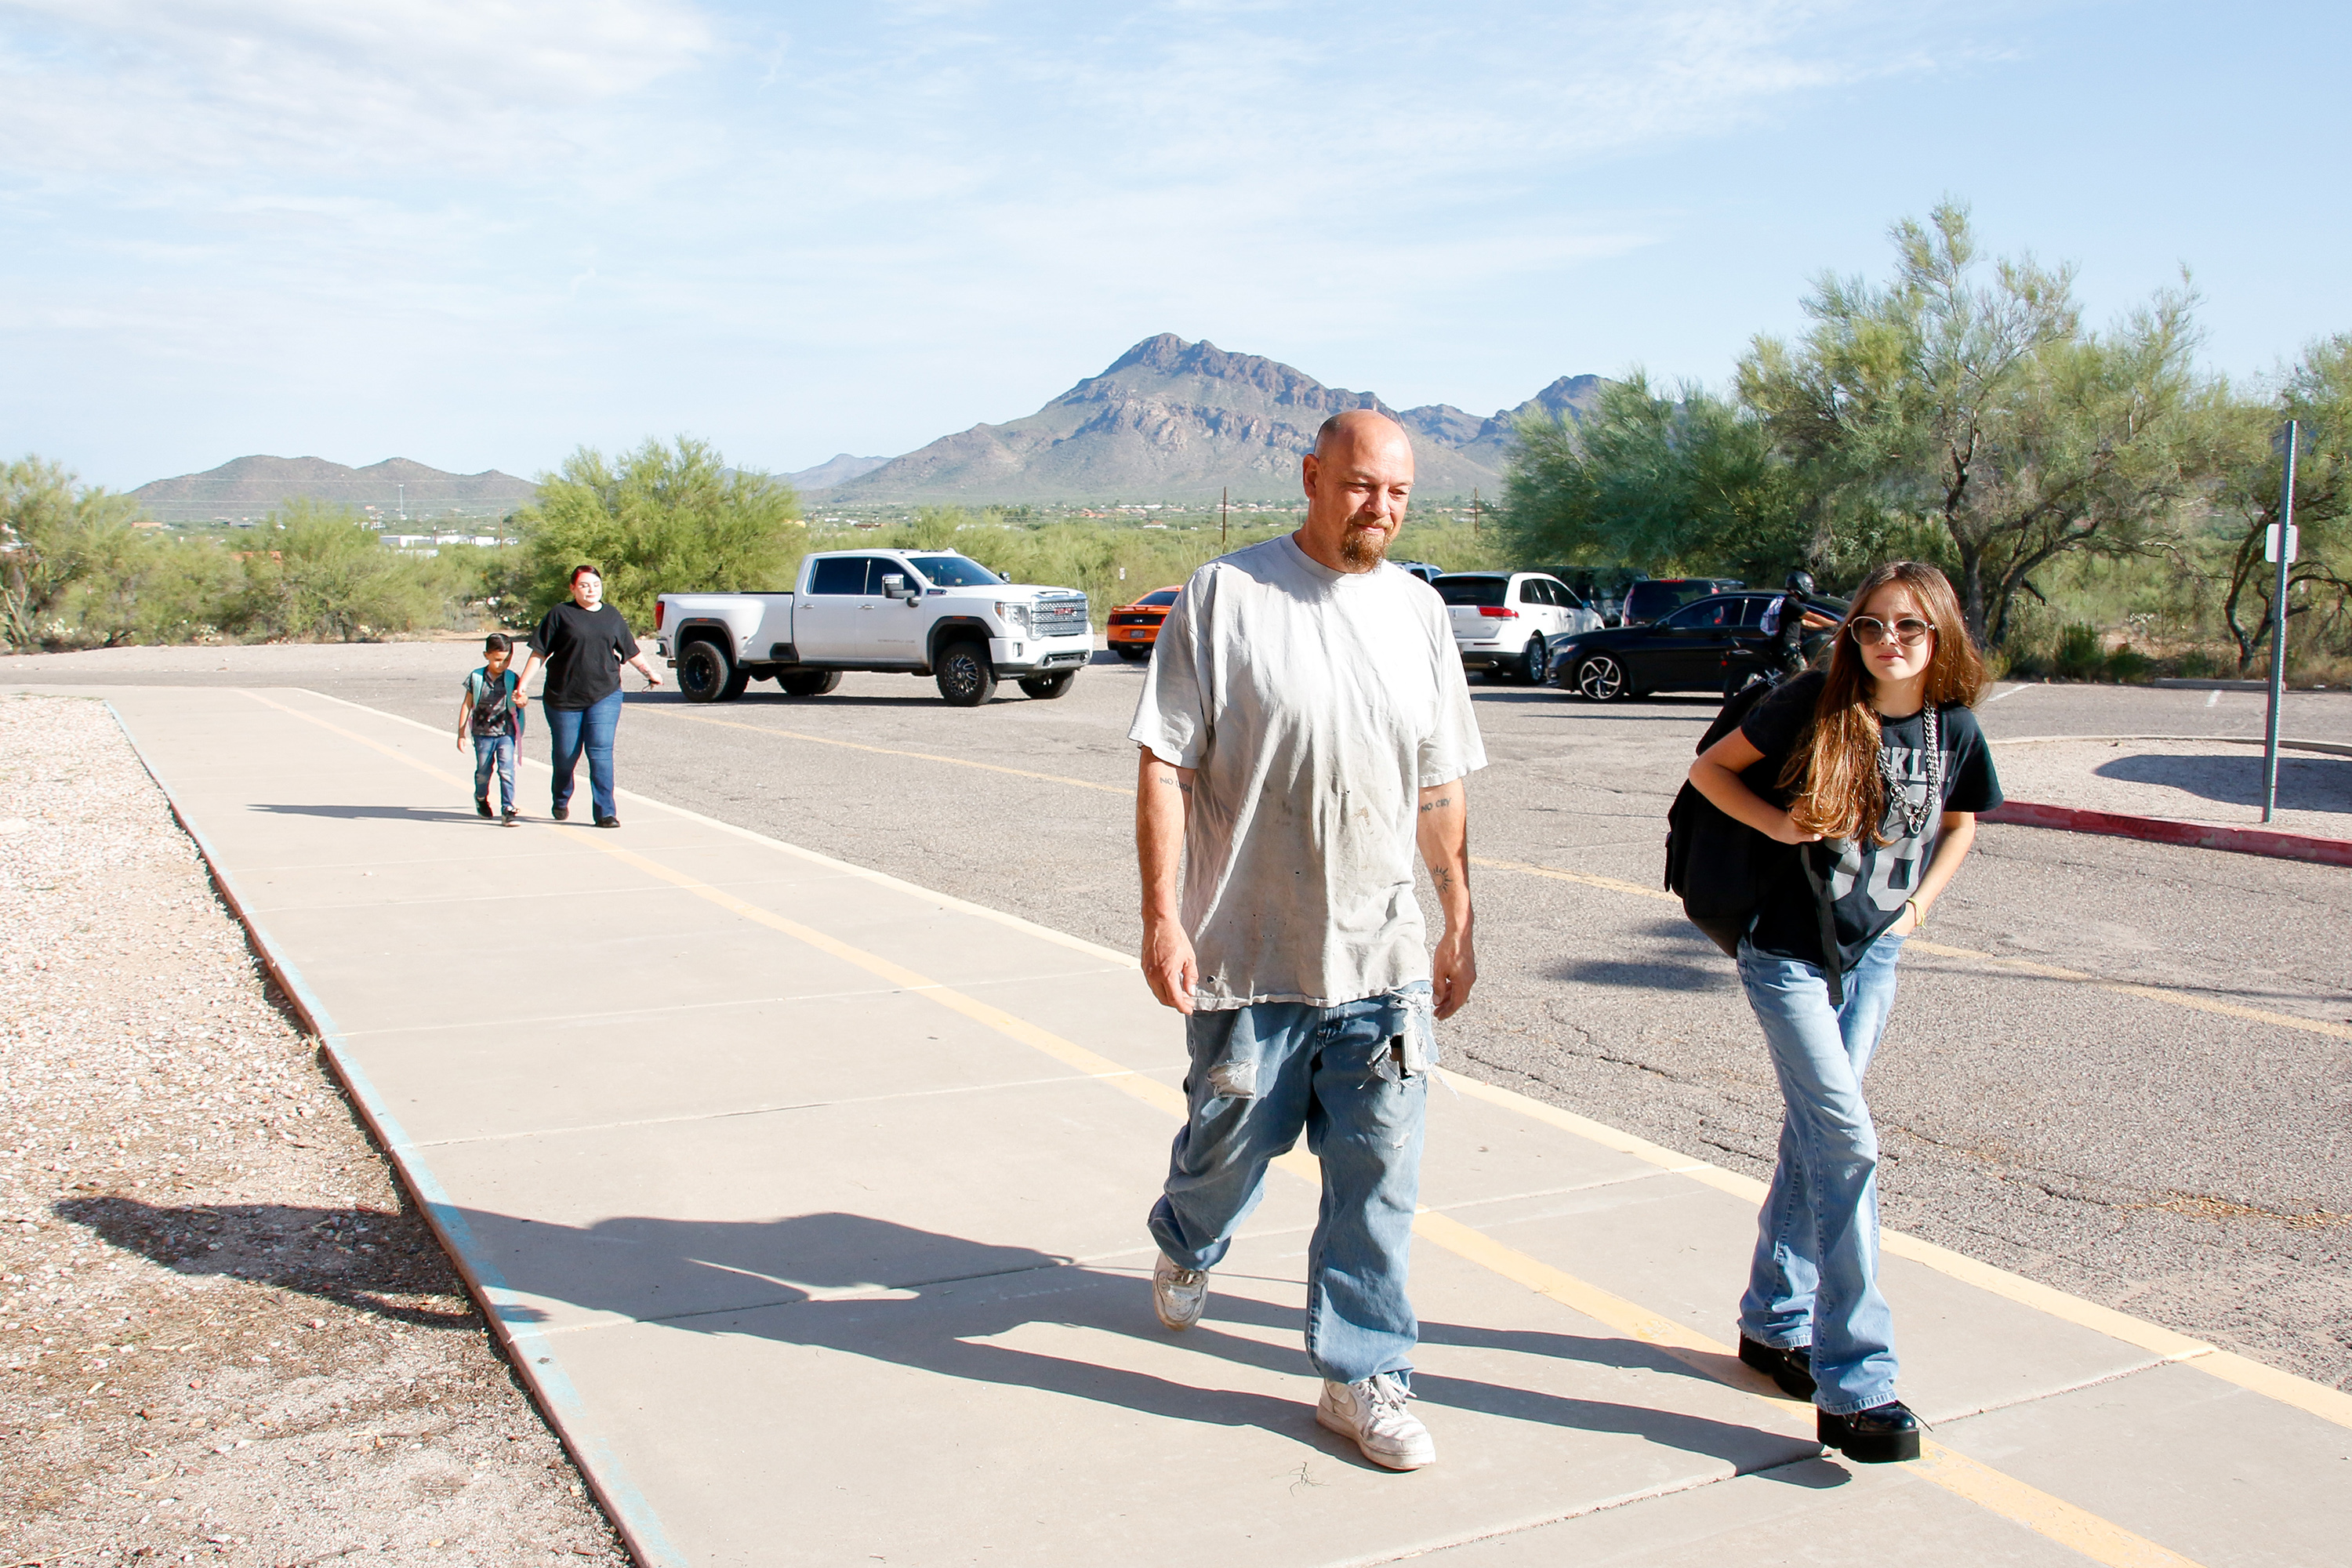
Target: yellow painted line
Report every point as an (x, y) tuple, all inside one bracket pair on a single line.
[(1997, 1493), (2331, 1405), (893, 752)]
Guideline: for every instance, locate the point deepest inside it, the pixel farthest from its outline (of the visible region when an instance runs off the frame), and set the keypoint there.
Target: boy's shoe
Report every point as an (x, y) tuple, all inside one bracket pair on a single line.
[(482, 804), (510, 818), (561, 813), (1179, 1295), (1372, 1412)]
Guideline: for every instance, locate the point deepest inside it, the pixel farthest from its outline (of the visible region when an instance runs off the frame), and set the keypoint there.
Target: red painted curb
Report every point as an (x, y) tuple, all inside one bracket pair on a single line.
[(2161, 830)]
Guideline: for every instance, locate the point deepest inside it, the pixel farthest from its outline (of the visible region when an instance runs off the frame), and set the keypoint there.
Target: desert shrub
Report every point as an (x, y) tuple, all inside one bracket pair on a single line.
[(315, 571), (662, 519), (2128, 665), (2080, 655)]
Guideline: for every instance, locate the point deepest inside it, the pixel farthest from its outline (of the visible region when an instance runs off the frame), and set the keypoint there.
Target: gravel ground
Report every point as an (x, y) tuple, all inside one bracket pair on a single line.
[(226, 1335)]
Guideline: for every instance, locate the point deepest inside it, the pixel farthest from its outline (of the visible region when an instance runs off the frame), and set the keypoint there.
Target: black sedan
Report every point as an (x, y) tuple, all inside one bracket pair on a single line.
[(1687, 650)]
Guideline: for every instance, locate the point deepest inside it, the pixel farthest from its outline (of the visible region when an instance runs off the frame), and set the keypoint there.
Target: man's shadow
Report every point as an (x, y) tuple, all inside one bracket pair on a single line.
[(943, 1304)]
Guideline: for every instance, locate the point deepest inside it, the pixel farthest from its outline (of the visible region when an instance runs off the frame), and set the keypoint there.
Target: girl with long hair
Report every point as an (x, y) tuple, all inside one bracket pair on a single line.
[(1875, 769)]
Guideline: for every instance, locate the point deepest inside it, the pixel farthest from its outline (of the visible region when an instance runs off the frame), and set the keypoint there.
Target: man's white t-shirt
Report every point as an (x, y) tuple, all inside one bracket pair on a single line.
[(1314, 706)]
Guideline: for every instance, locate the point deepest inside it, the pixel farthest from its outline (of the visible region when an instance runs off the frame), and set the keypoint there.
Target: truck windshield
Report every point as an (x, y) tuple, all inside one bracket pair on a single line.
[(953, 571)]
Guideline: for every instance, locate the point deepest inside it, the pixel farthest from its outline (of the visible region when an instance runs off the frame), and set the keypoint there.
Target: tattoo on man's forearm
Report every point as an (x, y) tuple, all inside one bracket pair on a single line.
[(1444, 878), (1441, 801)]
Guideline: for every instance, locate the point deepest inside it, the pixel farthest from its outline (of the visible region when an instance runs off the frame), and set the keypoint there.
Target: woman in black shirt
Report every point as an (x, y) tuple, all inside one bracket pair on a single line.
[(1880, 772), (583, 645)]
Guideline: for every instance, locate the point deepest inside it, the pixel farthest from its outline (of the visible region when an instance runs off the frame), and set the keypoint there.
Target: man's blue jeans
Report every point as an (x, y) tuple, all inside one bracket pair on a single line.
[(571, 729), (1260, 1076), (1814, 1280), (495, 752)]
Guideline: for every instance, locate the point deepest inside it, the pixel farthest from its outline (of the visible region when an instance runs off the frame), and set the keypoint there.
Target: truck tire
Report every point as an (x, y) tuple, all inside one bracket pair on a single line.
[(1045, 687), (808, 682), (736, 682), (966, 678), (705, 672)]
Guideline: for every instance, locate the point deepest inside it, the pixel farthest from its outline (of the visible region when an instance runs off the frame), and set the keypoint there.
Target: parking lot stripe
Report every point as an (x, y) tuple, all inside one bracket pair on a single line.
[(2317, 1399)]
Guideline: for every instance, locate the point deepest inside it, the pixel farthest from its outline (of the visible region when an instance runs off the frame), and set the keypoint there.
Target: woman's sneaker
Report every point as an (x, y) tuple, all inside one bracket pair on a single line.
[(1372, 1412), (1179, 1295)]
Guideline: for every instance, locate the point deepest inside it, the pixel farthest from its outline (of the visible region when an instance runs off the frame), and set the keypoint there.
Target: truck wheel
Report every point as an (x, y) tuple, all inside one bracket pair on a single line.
[(966, 678), (808, 682), (736, 682), (1045, 687), (705, 673)]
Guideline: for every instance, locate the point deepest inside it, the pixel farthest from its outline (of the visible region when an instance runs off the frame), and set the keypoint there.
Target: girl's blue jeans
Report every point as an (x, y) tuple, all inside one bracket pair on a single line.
[(1814, 1280), (571, 731)]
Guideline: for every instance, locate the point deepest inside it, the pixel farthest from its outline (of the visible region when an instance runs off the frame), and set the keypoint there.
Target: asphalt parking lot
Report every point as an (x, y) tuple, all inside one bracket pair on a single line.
[(2091, 1121)]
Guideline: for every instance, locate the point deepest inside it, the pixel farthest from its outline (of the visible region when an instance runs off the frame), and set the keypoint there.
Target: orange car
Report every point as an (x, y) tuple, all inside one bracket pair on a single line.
[(1135, 627)]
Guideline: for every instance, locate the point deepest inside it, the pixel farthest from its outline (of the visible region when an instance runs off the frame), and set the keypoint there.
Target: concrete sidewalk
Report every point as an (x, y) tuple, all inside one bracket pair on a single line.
[(811, 1204), (2180, 778)]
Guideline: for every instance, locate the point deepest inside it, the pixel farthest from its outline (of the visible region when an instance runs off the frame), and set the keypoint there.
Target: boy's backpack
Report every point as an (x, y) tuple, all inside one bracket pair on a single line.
[(1722, 869)]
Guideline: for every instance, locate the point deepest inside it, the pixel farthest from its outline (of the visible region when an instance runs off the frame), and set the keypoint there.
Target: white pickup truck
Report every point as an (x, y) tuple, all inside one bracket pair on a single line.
[(915, 612)]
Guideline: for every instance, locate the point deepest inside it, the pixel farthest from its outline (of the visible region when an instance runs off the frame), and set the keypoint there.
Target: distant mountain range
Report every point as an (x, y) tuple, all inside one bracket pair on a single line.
[(1169, 420), (837, 470), (247, 487), (1172, 420)]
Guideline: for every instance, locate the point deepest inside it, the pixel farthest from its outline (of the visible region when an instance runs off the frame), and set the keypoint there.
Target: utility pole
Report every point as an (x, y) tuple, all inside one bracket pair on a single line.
[(1224, 495), (1474, 511), (2280, 546)]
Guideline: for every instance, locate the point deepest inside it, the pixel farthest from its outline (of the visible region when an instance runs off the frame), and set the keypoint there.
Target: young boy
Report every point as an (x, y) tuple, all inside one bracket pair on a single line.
[(489, 711)]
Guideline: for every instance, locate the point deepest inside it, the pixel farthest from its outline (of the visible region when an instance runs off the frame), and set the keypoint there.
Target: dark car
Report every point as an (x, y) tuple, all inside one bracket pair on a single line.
[(1685, 651), (1652, 597)]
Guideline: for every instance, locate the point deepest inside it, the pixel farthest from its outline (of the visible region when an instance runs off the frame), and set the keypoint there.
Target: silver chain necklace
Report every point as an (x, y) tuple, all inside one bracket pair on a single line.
[(1898, 797)]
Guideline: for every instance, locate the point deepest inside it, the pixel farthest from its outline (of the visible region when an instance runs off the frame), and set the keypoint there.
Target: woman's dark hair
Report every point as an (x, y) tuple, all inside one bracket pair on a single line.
[(582, 570), (498, 642), (1840, 795)]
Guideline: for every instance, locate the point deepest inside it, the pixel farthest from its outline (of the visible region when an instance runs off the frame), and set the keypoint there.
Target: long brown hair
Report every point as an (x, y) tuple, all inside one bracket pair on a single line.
[(1836, 773)]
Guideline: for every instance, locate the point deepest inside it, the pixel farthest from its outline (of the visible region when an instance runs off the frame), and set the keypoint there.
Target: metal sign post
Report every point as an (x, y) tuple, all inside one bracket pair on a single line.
[(2279, 546)]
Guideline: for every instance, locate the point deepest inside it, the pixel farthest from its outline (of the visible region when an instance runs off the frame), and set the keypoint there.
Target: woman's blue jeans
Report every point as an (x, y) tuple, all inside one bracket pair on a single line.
[(1260, 1076), (571, 731), (1814, 1280)]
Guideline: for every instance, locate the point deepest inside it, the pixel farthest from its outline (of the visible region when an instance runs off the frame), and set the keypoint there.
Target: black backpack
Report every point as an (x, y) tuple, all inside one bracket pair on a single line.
[(1722, 869)]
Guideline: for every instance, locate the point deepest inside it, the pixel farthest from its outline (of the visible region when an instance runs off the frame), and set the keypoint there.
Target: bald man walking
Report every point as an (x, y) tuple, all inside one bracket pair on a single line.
[(1304, 726)]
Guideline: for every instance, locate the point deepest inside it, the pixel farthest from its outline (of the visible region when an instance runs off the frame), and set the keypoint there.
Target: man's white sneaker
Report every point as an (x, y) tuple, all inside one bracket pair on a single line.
[(1372, 1412), (1179, 1295)]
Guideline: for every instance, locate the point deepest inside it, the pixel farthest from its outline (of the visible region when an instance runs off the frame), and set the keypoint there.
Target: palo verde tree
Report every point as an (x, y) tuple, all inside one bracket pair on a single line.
[(1981, 406), (54, 536), (2317, 395), (1664, 484), (661, 520)]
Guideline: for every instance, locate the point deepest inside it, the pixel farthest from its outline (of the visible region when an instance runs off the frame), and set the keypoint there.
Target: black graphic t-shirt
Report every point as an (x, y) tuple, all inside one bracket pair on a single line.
[(1867, 882)]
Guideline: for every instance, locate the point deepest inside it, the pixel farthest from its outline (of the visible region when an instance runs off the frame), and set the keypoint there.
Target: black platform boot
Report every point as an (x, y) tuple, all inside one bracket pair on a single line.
[(1793, 1369), (1878, 1435)]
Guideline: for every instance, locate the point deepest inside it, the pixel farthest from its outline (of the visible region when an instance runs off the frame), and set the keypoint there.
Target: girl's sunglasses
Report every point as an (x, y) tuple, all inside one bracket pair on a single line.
[(1869, 631)]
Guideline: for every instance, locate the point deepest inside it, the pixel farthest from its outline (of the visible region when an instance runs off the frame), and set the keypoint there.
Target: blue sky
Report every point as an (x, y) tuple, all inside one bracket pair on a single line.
[(480, 233)]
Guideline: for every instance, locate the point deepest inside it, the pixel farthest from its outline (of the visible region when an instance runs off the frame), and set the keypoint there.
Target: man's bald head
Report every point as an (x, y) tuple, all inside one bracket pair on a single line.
[(1358, 479), (1356, 424)]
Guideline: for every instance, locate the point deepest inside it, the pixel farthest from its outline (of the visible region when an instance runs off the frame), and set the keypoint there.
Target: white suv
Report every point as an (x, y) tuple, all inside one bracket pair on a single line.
[(1506, 623)]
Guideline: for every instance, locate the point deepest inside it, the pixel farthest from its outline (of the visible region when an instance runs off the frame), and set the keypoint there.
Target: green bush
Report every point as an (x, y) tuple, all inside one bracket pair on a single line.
[(661, 521), (2080, 655), (316, 571), (2128, 665)]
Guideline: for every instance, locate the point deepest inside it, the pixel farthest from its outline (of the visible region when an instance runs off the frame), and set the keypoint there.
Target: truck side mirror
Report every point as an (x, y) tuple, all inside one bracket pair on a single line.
[(894, 586)]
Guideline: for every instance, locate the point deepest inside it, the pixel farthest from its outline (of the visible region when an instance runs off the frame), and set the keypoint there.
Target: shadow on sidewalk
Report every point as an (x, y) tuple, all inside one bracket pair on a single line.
[(941, 1304), (380, 813)]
